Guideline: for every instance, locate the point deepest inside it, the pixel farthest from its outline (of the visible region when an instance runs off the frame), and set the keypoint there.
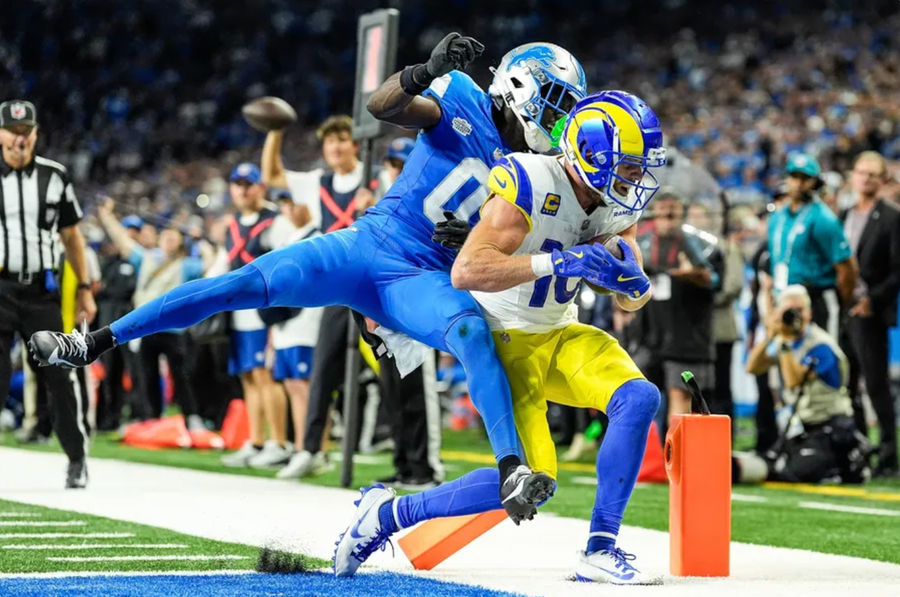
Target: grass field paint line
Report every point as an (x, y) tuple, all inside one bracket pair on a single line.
[(42, 523), (127, 573), (743, 497), (55, 546), (52, 535), (19, 515), (835, 490), (849, 509), (148, 558)]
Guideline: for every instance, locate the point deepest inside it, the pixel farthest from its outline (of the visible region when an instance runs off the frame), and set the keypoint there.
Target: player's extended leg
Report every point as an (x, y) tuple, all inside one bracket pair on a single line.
[(319, 271), (591, 370), (380, 513)]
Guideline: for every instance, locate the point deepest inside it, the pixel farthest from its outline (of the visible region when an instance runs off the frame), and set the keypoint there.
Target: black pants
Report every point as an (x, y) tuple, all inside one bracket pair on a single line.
[(722, 400), (868, 338), (327, 376), (766, 425), (826, 309), (412, 428), (213, 387), (175, 347), (27, 309)]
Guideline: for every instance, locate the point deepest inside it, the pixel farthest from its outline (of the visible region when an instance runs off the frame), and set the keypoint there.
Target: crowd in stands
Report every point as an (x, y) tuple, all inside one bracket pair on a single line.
[(142, 102)]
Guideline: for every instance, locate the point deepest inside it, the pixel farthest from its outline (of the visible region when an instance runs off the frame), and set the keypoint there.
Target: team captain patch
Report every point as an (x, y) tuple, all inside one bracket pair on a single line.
[(551, 204)]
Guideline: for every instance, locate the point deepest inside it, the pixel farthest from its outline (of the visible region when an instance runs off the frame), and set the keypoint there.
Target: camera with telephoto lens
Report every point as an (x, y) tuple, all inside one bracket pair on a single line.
[(793, 318)]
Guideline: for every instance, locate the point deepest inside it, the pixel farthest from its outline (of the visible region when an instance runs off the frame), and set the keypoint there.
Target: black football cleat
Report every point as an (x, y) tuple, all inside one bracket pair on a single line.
[(76, 474), (523, 490), (70, 351)]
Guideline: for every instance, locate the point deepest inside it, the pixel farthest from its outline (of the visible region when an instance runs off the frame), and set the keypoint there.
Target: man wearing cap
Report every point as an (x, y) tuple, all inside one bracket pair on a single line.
[(39, 214), (807, 245), (249, 236)]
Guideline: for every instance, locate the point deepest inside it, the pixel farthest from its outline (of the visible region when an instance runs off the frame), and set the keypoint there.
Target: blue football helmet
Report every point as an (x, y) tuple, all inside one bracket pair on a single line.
[(607, 129), (540, 83)]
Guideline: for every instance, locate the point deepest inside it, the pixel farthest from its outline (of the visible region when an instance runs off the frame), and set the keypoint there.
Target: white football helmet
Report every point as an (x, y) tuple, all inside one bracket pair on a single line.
[(540, 82)]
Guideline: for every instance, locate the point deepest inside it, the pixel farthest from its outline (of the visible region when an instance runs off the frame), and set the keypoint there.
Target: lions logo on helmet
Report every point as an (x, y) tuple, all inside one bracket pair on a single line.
[(540, 83), (604, 131)]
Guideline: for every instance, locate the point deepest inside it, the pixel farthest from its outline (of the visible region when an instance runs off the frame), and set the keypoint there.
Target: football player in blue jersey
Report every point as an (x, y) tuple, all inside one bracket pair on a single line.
[(386, 265)]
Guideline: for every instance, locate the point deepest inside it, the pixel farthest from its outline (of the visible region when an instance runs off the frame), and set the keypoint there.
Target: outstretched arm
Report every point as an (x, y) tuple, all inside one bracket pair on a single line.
[(397, 100), (273, 173)]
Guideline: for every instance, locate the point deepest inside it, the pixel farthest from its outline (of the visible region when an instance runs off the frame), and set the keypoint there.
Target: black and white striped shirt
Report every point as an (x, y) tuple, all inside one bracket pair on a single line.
[(35, 202)]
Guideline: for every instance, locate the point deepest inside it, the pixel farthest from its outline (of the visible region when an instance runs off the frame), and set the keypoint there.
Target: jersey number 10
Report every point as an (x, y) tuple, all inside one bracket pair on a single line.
[(561, 292)]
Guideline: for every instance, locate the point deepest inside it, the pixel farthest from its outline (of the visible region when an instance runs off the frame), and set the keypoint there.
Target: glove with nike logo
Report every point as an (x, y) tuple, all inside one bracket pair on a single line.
[(580, 261), (624, 276)]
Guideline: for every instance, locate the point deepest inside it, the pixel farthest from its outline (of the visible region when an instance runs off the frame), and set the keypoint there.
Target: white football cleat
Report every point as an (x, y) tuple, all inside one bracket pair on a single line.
[(273, 454), (240, 458), (611, 566), (364, 535)]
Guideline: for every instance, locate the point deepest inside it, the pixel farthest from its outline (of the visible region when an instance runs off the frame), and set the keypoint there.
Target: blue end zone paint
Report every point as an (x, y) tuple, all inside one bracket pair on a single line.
[(262, 585)]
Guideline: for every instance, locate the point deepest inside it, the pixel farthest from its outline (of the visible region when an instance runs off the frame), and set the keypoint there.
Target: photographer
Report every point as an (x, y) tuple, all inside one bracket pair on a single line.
[(819, 441)]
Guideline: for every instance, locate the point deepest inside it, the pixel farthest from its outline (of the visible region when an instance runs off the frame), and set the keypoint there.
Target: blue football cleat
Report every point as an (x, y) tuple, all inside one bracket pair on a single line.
[(364, 535)]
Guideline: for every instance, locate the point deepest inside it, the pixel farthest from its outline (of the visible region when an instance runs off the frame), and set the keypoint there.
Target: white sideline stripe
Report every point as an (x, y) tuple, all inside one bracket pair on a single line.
[(148, 558), (96, 546), (77, 574), (19, 515), (65, 535), (743, 497), (42, 523), (849, 509)]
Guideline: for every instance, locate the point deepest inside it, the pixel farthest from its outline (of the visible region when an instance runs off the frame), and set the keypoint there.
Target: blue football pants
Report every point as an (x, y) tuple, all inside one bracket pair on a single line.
[(356, 268)]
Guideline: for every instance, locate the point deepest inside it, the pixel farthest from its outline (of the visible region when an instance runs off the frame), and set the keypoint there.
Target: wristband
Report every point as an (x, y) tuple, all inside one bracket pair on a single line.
[(411, 79), (542, 265), (83, 286)]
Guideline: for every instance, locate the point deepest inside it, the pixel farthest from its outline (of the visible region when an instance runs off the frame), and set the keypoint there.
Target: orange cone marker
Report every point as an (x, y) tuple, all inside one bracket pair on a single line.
[(435, 540)]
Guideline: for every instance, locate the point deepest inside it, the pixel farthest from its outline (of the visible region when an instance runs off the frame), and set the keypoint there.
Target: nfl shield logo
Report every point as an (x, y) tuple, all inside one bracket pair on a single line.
[(17, 111)]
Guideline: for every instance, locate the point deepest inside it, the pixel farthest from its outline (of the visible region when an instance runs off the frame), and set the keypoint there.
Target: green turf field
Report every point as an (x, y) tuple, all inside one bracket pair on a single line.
[(37, 539), (785, 516)]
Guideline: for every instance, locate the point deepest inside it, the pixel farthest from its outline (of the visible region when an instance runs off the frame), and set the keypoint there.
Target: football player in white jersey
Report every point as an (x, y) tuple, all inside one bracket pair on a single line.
[(524, 262)]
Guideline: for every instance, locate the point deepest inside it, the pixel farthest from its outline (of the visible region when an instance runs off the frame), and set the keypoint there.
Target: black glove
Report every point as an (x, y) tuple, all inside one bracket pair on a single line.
[(454, 52), (451, 234)]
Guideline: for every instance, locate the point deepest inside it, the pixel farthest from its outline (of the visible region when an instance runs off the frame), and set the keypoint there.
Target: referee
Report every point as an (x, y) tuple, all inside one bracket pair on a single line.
[(38, 219)]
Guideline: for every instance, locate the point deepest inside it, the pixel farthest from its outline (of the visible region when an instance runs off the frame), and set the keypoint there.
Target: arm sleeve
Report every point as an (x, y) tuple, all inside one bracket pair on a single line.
[(454, 91), (136, 257), (509, 181), (825, 363), (829, 235), (69, 209)]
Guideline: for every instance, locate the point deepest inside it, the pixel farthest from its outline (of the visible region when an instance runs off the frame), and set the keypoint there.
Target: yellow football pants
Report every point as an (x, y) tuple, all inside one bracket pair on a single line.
[(577, 365)]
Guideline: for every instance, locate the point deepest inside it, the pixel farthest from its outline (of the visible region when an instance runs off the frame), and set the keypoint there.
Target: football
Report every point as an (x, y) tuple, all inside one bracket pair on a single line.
[(269, 114), (611, 242)]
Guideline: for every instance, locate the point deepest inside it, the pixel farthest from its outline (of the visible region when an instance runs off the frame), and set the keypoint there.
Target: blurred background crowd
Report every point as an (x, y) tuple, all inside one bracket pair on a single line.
[(141, 100)]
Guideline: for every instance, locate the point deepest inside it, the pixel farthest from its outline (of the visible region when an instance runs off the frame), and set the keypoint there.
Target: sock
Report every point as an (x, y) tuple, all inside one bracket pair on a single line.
[(103, 340), (473, 493), (507, 465), (386, 517), (195, 423), (630, 411)]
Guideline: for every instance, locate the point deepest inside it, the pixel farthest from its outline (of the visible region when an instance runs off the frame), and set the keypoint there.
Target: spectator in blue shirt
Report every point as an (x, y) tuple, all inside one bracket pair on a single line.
[(807, 245)]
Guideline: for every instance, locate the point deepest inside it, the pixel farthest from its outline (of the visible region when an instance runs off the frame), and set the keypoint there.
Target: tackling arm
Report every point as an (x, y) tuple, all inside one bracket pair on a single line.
[(391, 104), (485, 261)]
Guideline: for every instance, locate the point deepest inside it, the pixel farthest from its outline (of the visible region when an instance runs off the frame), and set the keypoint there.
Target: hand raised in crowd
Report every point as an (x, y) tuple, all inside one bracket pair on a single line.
[(106, 207), (363, 199)]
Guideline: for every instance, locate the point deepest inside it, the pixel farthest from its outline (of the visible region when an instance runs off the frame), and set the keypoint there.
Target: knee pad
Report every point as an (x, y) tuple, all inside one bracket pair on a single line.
[(635, 401)]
